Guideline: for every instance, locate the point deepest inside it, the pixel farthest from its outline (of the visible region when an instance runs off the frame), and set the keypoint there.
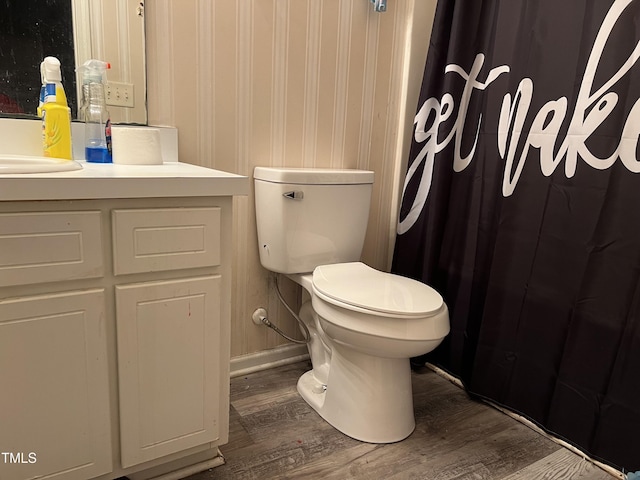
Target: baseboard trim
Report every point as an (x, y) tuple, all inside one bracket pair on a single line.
[(263, 360)]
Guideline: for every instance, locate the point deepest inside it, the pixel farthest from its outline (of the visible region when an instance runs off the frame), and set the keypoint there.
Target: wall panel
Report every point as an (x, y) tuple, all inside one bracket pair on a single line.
[(300, 83)]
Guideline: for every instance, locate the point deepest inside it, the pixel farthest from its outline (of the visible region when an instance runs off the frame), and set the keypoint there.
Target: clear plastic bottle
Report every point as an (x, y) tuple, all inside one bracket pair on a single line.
[(94, 113)]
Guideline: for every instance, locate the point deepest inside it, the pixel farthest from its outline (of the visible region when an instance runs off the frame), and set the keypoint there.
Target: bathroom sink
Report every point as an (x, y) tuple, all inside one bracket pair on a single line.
[(32, 164)]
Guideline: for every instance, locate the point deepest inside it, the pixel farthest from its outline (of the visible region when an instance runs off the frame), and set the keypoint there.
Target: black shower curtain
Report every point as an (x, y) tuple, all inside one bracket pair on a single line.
[(521, 205)]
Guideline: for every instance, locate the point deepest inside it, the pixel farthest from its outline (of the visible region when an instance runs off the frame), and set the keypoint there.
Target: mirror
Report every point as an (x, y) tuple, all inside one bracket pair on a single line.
[(74, 31)]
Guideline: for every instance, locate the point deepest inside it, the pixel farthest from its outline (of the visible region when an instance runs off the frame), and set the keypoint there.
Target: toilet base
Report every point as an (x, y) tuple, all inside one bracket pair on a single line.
[(367, 398)]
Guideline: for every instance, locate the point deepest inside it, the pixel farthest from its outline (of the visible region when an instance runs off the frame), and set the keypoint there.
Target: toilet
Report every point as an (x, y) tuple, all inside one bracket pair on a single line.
[(364, 325)]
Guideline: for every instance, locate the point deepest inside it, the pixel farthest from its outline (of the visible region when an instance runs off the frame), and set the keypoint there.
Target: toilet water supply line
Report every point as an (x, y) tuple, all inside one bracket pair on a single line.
[(260, 317)]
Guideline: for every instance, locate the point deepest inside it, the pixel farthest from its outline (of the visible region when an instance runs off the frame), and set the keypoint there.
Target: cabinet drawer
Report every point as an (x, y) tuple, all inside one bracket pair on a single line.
[(43, 247), (153, 240)]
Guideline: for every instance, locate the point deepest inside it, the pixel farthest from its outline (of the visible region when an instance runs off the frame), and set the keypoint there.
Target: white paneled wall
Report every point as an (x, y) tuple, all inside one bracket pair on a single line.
[(302, 83)]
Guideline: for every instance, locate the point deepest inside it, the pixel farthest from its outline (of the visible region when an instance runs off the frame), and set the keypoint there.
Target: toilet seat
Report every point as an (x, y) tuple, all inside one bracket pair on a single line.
[(358, 287)]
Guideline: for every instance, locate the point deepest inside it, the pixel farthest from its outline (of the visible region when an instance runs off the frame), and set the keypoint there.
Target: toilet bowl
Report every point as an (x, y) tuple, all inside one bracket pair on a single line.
[(364, 324), (378, 313), (370, 323)]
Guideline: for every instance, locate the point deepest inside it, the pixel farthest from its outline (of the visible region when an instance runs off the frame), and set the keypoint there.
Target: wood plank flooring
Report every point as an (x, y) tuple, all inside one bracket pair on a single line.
[(274, 434)]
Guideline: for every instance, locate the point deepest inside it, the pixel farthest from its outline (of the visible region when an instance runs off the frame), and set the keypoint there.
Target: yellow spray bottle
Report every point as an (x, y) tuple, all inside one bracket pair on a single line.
[(56, 126), (50, 73)]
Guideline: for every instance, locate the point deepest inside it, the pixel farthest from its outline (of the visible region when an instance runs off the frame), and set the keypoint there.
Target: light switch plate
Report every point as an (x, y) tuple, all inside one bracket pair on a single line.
[(119, 94)]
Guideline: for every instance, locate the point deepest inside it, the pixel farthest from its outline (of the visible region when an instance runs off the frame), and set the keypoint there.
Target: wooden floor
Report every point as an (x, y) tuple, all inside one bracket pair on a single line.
[(274, 434)]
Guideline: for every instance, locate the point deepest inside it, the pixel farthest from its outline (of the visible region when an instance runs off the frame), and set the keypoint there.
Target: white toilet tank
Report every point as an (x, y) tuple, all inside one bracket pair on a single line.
[(310, 217)]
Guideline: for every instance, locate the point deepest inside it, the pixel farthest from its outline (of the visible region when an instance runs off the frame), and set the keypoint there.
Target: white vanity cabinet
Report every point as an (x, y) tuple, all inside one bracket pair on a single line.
[(168, 331), (114, 336), (54, 388)]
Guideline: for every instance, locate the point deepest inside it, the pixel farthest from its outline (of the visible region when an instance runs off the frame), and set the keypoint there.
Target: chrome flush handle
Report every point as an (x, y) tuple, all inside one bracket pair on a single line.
[(294, 195)]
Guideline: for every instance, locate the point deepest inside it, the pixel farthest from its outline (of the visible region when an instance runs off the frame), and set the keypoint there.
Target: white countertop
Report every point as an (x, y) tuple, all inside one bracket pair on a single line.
[(95, 180)]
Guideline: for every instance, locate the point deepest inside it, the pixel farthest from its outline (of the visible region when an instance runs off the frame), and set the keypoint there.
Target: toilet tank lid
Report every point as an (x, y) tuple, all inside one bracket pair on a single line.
[(313, 176)]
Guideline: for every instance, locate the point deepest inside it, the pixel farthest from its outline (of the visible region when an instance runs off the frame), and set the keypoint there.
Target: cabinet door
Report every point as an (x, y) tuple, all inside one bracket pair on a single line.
[(54, 399), (168, 366)]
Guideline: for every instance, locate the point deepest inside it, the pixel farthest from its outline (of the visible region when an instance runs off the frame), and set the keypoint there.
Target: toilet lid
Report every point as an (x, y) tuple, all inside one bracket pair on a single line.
[(361, 286)]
